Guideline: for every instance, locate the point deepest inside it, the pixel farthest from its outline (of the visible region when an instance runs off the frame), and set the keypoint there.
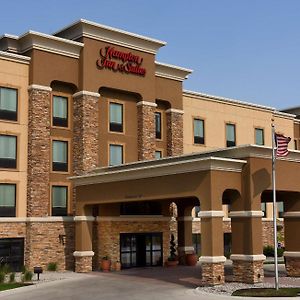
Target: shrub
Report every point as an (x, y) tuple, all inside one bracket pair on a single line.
[(12, 277), (52, 266), (23, 269), (269, 251), (27, 276), (2, 277), (5, 268)]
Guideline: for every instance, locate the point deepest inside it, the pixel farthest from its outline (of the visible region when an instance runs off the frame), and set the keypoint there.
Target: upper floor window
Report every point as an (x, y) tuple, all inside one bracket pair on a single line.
[(158, 154), (116, 117), (60, 156), (259, 136), (8, 104), (115, 155), (8, 151), (7, 200), (198, 131), (59, 200), (60, 111), (158, 125), (230, 135)]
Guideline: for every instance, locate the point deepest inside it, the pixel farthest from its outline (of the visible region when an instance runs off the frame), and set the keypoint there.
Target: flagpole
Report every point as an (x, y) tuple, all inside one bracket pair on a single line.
[(274, 206)]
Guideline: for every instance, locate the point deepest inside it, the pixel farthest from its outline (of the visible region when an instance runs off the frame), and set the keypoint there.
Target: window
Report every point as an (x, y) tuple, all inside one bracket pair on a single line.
[(59, 200), (115, 155), (116, 117), (230, 135), (158, 125), (60, 111), (259, 136), (158, 154), (7, 200), (8, 151), (264, 209), (280, 209), (60, 156), (8, 104), (198, 131)]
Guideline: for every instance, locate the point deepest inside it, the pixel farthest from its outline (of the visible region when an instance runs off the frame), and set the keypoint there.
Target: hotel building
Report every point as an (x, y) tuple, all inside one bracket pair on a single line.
[(102, 152)]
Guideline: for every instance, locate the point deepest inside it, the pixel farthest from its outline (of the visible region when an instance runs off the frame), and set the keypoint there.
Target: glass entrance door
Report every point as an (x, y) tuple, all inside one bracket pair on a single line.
[(12, 253), (141, 249)]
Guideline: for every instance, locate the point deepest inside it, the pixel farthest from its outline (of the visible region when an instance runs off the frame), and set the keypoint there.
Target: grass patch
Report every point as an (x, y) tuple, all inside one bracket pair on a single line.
[(9, 286), (267, 292)]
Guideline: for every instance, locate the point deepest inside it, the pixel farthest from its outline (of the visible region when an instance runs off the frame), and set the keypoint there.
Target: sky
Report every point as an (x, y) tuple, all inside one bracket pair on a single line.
[(241, 49)]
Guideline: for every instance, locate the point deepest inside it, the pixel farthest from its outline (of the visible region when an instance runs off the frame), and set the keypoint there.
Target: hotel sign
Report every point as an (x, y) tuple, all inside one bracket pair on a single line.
[(118, 61)]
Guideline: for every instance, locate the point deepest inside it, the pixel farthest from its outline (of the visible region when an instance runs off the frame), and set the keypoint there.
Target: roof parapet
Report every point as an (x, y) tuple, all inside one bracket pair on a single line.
[(171, 71)]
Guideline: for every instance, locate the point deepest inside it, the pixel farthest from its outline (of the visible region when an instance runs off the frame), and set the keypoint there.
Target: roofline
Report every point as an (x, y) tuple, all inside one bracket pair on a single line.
[(174, 67), (15, 57)]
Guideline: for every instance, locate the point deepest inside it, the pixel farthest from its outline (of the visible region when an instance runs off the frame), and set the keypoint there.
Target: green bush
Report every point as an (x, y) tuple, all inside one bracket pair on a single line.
[(52, 266), (5, 269), (27, 276), (269, 251), (23, 269), (2, 277), (12, 277)]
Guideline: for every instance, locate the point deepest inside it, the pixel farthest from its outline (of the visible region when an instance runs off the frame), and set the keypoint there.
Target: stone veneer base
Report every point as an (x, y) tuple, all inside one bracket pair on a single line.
[(212, 273), (248, 271), (83, 264), (292, 266)]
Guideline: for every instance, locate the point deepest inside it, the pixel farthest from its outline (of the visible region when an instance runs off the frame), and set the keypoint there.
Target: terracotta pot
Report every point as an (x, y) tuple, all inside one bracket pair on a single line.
[(171, 263), (191, 259), (117, 266), (105, 265)]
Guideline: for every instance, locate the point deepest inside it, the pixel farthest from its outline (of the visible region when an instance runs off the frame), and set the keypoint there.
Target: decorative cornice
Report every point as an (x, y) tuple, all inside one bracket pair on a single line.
[(39, 87), (291, 254), (291, 214), (244, 257), (15, 57), (246, 214), (174, 110), (92, 30), (212, 259), (211, 214), (132, 219), (84, 218), (146, 103), (85, 93), (83, 253), (171, 72)]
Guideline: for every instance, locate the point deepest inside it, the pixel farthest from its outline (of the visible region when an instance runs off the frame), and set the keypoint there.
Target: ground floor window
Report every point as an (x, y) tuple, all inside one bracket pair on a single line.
[(141, 249), (12, 253)]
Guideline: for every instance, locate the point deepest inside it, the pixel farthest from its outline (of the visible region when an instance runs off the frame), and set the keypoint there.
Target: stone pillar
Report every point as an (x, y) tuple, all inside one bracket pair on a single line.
[(86, 132), (39, 117), (212, 258), (83, 243), (247, 254), (174, 132), (292, 241), (146, 130)]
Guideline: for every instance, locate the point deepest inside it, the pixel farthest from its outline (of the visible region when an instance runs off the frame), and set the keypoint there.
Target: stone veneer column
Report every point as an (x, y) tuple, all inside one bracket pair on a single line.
[(247, 254), (292, 241), (86, 132), (174, 132), (146, 130), (39, 116), (212, 259), (83, 243)]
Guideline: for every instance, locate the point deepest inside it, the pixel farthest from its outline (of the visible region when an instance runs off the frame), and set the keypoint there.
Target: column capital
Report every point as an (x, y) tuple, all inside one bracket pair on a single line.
[(86, 93), (83, 253), (211, 214), (147, 103), (84, 218), (244, 257), (174, 110), (246, 214), (291, 254), (292, 214), (212, 259), (39, 87)]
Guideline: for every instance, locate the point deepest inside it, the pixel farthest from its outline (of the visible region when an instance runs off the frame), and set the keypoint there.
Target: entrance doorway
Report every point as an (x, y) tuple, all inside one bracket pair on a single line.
[(12, 253), (141, 249)]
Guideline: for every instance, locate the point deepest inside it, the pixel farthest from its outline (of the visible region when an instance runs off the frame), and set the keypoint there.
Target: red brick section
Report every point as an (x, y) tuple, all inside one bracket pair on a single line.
[(146, 130), (86, 132), (174, 132), (248, 271), (38, 151), (212, 273)]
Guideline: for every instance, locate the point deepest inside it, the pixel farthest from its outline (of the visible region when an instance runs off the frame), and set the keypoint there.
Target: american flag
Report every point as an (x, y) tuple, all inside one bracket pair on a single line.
[(282, 144)]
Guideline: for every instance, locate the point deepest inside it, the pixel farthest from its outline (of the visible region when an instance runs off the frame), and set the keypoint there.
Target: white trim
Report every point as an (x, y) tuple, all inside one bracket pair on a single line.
[(212, 259), (50, 219), (196, 219), (186, 248), (15, 57), (185, 218), (39, 87), (171, 72), (13, 220), (86, 93), (146, 103), (291, 254), (84, 218), (132, 218), (244, 257), (211, 214), (174, 110), (83, 253), (291, 214), (246, 214)]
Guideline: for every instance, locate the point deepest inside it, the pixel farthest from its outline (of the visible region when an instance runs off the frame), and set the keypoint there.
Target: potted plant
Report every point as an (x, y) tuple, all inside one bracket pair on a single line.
[(172, 259), (191, 259), (117, 266), (105, 264)]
